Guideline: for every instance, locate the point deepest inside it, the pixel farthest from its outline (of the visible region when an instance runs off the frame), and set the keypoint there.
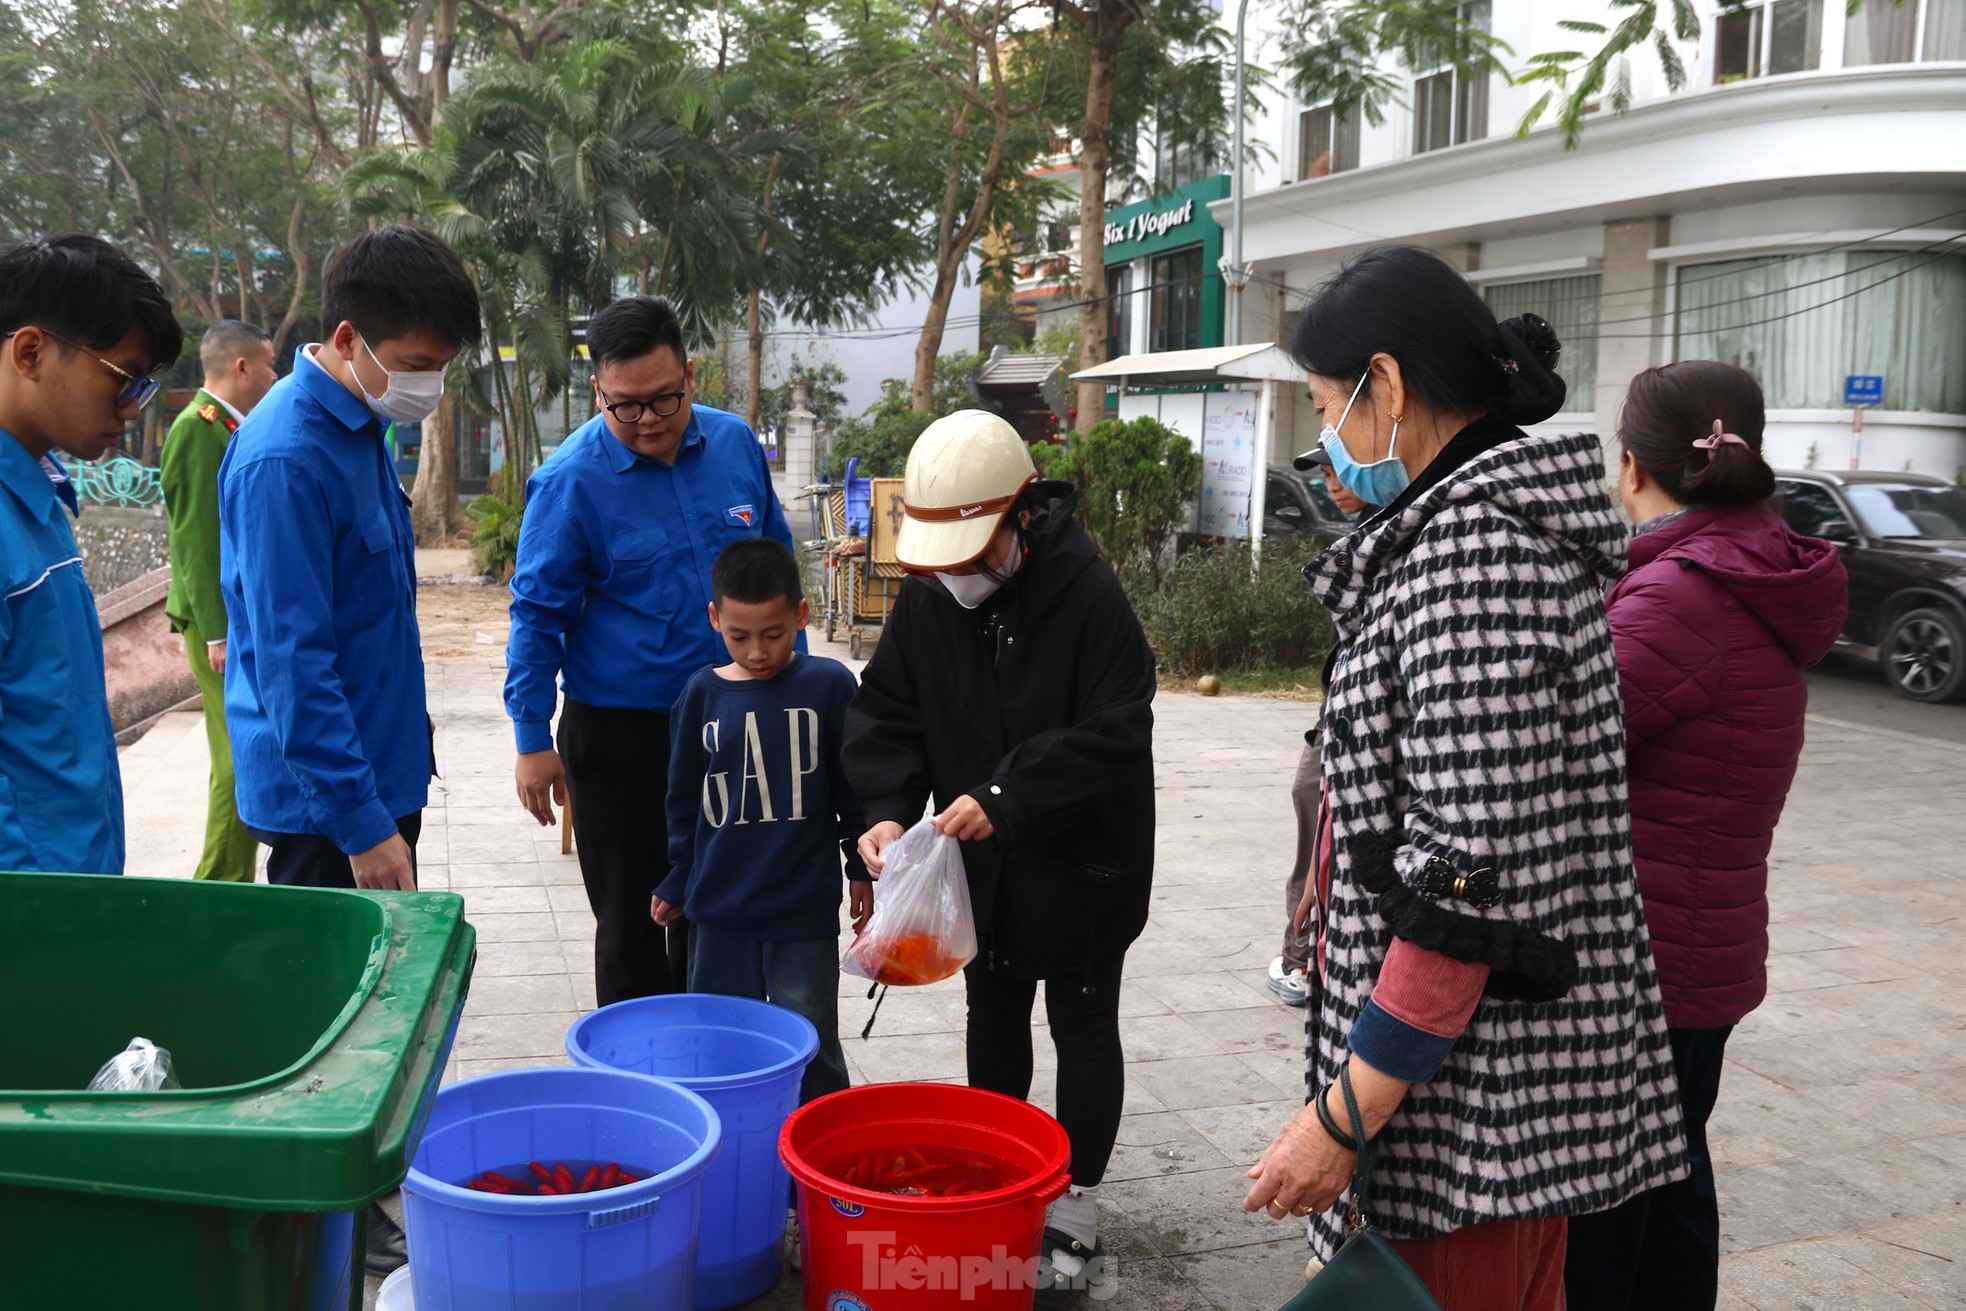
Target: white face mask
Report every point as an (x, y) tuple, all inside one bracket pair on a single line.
[(970, 590), (410, 395)]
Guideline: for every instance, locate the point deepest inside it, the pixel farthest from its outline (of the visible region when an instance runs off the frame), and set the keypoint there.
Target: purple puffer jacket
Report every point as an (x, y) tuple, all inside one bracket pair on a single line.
[(1714, 622)]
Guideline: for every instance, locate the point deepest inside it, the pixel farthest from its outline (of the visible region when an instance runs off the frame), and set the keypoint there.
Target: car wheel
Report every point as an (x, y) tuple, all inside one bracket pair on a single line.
[(1924, 654)]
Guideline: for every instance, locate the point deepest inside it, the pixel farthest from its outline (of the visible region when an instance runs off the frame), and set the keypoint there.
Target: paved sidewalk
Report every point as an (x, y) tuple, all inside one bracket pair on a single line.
[(1841, 1131)]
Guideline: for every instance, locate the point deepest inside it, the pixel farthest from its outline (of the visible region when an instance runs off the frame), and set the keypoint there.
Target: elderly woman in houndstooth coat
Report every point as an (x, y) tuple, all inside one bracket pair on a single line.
[(1482, 974)]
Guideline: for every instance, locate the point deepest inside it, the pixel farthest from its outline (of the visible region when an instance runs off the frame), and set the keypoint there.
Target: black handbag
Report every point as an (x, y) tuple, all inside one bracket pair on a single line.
[(1365, 1274)]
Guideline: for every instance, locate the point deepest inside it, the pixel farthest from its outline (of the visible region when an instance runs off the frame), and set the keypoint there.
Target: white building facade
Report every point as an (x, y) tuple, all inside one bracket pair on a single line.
[(1799, 209)]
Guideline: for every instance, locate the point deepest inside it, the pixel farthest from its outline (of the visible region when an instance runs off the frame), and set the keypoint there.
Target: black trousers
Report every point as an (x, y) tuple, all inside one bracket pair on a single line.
[(617, 764), (1085, 1027), (1661, 1248), (309, 860)]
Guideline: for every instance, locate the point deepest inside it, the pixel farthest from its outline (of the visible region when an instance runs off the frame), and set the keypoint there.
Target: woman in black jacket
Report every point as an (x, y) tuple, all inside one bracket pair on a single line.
[(1013, 686)]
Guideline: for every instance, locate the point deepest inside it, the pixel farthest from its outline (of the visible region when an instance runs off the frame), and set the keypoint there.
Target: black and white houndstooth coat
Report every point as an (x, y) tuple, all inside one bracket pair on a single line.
[(1473, 723)]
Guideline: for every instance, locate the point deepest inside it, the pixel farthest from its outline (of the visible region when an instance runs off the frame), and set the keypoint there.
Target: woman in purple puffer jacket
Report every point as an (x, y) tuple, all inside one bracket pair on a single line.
[(1721, 609)]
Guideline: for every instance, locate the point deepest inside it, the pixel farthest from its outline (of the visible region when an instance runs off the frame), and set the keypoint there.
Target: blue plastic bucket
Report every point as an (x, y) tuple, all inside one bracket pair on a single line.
[(746, 1059), (629, 1246)]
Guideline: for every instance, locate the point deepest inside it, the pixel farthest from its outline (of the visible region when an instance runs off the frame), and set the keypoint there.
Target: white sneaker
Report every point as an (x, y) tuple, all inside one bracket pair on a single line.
[(1291, 986)]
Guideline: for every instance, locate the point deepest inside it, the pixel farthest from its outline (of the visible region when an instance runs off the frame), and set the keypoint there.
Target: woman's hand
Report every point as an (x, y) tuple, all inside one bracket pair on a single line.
[(873, 843), (965, 821), (1303, 1170), (1300, 923)]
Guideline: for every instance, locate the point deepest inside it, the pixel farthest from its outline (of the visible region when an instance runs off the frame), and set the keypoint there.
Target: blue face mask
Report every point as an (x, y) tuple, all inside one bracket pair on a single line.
[(1378, 483)]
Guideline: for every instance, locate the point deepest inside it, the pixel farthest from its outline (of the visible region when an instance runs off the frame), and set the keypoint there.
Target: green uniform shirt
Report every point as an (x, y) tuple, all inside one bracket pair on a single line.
[(189, 473)]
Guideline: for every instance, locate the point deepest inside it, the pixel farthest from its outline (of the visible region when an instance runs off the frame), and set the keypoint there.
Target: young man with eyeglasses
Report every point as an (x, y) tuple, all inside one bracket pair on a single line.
[(610, 596), (81, 329)]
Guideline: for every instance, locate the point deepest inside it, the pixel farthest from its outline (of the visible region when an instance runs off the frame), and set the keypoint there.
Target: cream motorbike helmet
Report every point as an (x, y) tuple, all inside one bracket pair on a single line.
[(964, 473)]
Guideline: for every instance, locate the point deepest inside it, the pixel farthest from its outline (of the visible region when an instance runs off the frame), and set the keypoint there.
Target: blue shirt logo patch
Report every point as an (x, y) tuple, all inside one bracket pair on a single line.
[(742, 514)]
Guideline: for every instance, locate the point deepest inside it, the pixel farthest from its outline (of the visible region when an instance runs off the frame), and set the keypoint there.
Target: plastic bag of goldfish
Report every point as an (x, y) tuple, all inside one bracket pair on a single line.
[(922, 930)]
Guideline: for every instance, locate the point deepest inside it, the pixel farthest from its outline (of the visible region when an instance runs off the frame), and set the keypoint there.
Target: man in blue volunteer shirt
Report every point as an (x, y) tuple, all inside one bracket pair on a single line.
[(81, 328), (613, 580), (324, 682)]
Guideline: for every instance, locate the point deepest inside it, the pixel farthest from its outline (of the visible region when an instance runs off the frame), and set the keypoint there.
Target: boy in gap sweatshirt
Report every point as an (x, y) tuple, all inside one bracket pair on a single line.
[(760, 815)]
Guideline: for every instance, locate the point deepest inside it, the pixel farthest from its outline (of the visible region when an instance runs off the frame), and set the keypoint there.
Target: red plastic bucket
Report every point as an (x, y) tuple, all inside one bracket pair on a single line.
[(867, 1251)]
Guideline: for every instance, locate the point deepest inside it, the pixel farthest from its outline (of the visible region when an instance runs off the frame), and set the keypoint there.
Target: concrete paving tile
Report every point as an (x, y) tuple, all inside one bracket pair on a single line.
[(911, 1056), (1242, 1133), (1273, 1028), (567, 896), (1159, 1144), (583, 990), (508, 874), (521, 958), (515, 928), (521, 994), (560, 869), (902, 1012), (1203, 1081), (1912, 1182), (1803, 1061), (1200, 1212), (1794, 1199), (1284, 1069), (1264, 1275), (471, 1069), (1218, 990), (527, 899), (1164, 1037), (1778, 1277), (1148, 1284), (514, 1036), (1926, 1258)]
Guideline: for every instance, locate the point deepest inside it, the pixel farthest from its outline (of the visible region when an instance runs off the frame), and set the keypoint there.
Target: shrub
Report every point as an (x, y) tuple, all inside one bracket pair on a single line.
[(495, 520), (882, 437), (1212, 612), (1137, 481)]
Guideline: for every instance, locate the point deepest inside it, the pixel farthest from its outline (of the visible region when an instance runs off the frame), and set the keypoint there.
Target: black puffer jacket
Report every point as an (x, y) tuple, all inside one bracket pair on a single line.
[(1039, 703)]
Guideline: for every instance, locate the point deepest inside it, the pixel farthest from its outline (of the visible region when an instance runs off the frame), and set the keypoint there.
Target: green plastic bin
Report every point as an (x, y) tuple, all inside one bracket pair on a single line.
[(310, 1029)]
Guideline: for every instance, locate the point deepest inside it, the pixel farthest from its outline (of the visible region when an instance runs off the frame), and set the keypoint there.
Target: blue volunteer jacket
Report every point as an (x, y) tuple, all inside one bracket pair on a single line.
[(61, 792), (324, 676), (612, 588)]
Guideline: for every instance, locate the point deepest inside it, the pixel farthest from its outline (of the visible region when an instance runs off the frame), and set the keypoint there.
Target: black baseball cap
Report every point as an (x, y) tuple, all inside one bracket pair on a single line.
[(1315, 458)]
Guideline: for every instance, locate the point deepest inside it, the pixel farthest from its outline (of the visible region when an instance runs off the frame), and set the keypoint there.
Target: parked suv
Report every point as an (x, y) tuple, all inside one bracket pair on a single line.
[(1296, 505), (1903, 538)]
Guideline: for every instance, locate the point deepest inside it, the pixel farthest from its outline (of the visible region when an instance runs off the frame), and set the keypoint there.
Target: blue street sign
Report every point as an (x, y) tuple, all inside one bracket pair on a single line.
[(1863, 389)]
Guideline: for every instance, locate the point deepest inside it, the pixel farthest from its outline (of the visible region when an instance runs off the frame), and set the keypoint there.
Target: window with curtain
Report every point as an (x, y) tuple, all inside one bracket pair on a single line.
[(1327, 142), (1781, 319), (1570, 304), (1898, 33), (1782, 36), (1449, 107), (1175, 324)]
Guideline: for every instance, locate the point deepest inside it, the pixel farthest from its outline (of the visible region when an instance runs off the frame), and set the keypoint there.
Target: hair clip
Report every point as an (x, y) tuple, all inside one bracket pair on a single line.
[(1721, 437), (1509, 367)]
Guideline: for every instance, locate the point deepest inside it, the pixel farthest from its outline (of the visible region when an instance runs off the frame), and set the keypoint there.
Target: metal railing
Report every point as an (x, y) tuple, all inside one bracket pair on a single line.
[(119, 481)]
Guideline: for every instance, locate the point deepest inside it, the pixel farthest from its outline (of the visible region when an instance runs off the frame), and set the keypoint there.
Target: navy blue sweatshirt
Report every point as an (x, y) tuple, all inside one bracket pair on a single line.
[(760, 813)]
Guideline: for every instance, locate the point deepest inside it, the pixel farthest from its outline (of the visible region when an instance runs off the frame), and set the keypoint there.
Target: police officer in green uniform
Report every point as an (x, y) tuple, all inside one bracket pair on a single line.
[(238, 360)]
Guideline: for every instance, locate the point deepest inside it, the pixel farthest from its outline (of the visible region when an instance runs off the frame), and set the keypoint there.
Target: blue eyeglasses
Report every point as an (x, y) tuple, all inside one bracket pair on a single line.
[(135, 389)]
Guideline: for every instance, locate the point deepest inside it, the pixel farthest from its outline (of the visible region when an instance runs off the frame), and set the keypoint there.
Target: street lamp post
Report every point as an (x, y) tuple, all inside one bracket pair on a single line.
[(1235, 275)]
